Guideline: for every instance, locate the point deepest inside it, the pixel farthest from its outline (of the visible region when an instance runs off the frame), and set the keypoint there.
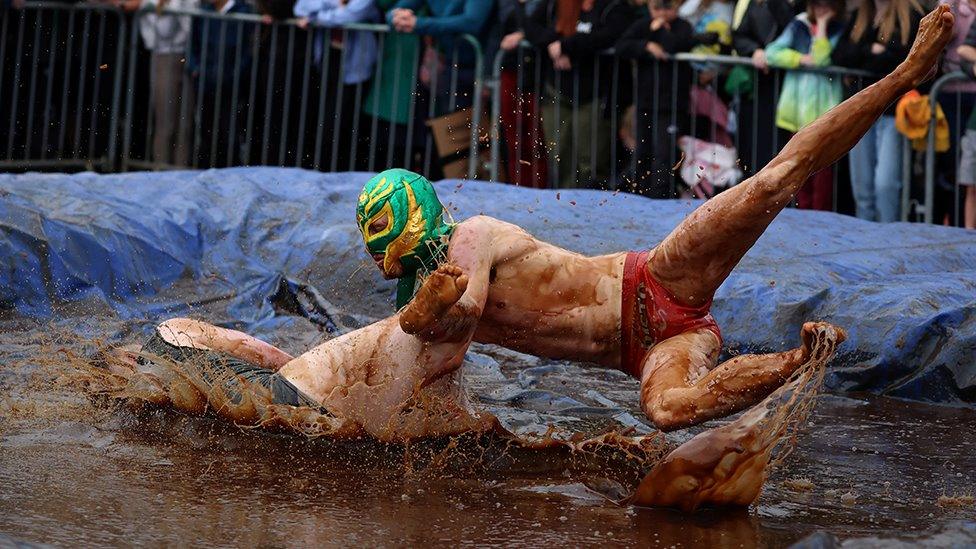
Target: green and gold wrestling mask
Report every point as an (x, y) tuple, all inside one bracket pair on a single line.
[(402, 219)]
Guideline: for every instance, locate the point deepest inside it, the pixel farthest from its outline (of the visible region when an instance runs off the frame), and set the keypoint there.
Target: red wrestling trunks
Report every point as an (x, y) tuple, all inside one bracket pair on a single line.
[(650, 314)]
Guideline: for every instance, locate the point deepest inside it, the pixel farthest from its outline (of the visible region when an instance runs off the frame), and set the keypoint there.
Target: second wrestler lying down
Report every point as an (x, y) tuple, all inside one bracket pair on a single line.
[(373, 377)]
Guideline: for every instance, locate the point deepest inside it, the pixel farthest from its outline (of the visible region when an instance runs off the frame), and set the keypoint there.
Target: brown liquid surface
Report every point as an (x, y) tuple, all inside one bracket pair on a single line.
[(75, 474)]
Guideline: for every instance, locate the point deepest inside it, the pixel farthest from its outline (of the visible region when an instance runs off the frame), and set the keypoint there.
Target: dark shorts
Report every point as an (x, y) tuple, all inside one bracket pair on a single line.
[(217, 365)]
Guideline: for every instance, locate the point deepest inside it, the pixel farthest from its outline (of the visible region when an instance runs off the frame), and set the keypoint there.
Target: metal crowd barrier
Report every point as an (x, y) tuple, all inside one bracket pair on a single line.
[(60, 85), (257, 93), (930, 168), (273, 93), (277, 95), (759, 139)]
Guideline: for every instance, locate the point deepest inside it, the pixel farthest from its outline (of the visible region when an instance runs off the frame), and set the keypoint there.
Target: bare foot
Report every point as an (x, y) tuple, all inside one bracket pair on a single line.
[(442, 289), (719, 467), (809, 332), (728, 465), (934, 32)]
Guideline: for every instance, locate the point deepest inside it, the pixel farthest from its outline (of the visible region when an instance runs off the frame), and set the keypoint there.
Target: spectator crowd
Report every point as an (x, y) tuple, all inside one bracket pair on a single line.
[(591, 93)]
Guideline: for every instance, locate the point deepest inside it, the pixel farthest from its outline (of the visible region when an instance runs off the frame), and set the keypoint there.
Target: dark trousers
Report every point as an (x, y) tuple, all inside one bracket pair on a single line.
[(757, 139), (526, 157), (657, 153)]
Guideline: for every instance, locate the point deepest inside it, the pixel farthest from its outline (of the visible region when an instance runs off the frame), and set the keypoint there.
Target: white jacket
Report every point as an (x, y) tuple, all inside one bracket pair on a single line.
[(166, 33)]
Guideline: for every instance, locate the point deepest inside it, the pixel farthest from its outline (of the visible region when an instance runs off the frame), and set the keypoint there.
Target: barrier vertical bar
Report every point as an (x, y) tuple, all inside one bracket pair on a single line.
[(55, 29), (537, 140), (289, 64), (776, 91), (32, 89), (614, 104), (186, 85), (391, 138), (595, 121), (303, 110), (673, 135), (353, 143), (412, 108), (269, 93), (378, 85), (496, 109), (215, 126), (756, 73), (323, 87), (16, 87), (113, 132), (633, 157), (252, 93), (558, 123), (97, 88), (519, 113), (235, 92), (67, 73), (476, 106), (150, 152), (337, 111), (574, 131), (431, 112), (86, 28), (906, 176), (201, 96), (957, 218), (655, 120)]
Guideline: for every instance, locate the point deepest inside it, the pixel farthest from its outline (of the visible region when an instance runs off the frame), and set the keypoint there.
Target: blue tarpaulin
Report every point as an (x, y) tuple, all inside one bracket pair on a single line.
[(256, 246)]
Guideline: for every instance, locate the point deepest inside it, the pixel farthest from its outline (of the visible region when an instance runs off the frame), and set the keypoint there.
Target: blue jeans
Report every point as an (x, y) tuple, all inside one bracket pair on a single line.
[(876, 172)]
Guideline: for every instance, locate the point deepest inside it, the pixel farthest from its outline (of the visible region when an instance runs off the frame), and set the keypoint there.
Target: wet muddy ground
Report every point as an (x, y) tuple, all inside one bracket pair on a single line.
[(73, 474)]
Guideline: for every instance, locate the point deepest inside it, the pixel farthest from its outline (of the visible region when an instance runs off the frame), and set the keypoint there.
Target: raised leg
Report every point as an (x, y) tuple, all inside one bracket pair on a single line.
[(701, 252), (679, 388)]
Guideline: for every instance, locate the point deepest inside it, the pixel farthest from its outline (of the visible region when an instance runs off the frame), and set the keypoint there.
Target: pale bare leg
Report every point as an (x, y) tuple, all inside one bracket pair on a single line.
[(701, 252), (373, 374), (186, 332), (679, 388), (393, 385), (728, 465)]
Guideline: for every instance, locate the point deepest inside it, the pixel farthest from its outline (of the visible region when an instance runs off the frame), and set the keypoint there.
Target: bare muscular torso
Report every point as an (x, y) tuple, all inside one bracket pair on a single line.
[(542, 299)]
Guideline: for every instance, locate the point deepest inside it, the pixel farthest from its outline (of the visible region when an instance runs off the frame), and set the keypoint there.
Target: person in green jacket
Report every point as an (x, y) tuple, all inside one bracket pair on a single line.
[(806, 43), (388, 102)]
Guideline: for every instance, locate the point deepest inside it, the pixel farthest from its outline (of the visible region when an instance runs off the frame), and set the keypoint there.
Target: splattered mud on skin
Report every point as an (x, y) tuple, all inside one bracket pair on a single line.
[(727, 465), (111, 476), (65, 364)]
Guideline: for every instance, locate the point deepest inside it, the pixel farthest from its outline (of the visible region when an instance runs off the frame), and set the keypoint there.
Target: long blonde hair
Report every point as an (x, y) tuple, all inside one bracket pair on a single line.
[(898, 15)]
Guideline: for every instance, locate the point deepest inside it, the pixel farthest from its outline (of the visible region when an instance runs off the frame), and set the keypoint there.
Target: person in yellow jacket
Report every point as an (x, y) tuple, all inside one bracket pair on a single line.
[(807, 42)]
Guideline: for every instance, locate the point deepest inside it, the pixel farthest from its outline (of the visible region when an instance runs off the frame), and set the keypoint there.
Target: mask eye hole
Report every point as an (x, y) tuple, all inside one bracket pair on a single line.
[(379, 225)]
